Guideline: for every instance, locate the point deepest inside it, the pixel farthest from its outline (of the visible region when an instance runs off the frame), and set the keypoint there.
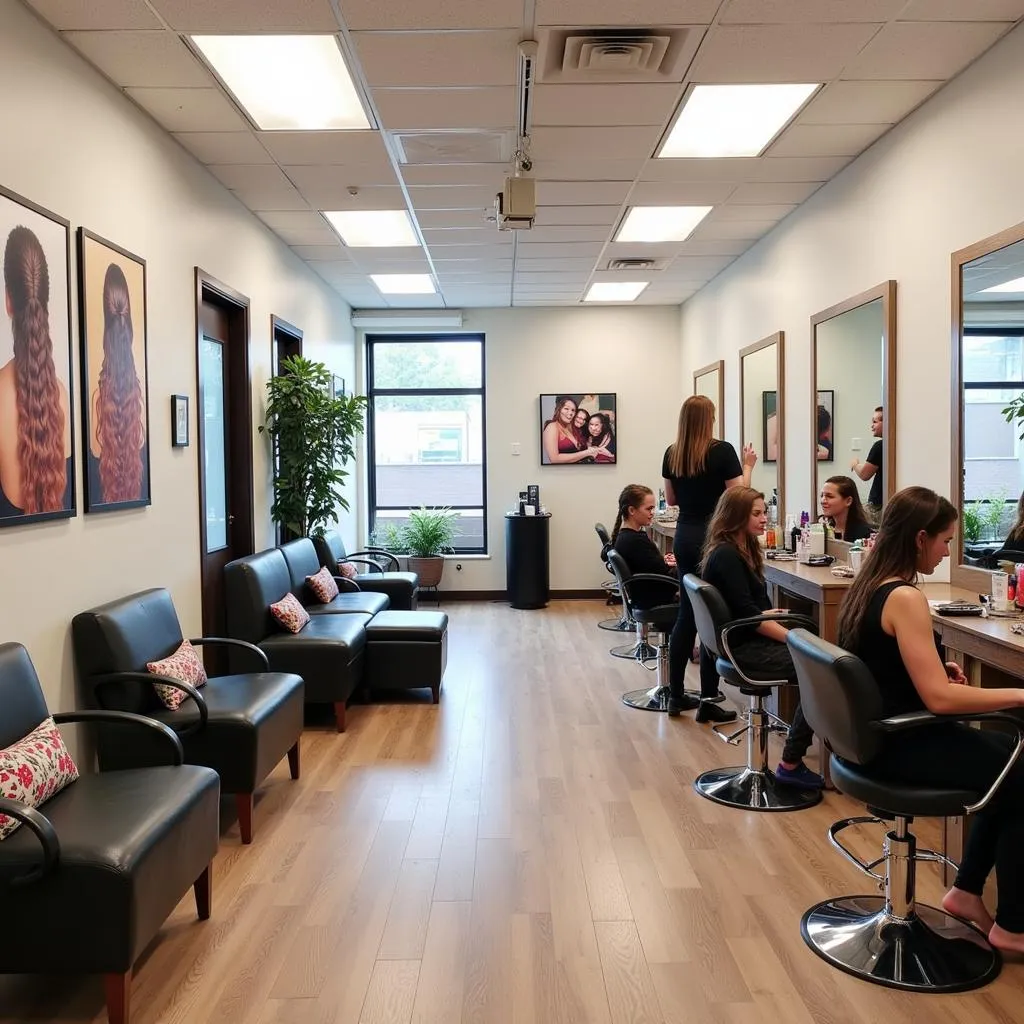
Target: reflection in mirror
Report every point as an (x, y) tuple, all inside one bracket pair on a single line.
[(710, 381), (853, 383), (762, 403)]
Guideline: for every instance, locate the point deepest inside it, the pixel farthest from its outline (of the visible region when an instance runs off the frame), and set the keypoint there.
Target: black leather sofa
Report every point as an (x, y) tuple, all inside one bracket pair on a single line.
[(401, 588), (328, 652), (93, 873), (241, 725), (302, 561)]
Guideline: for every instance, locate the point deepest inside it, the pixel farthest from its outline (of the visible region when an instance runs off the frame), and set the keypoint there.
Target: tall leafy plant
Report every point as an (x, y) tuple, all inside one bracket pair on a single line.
[(313, 433)]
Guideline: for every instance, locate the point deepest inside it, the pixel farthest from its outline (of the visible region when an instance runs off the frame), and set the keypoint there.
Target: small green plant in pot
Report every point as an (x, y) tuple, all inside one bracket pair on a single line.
[(427, 536), (972, 524)]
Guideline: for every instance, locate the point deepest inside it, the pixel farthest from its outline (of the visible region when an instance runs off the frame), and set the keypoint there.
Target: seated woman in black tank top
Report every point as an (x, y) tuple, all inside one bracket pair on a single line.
[(885, 620), (639, 552)]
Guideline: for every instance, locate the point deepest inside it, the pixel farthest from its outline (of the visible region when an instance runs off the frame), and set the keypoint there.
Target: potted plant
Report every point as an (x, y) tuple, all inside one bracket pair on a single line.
[(313, 434), (427, 536)]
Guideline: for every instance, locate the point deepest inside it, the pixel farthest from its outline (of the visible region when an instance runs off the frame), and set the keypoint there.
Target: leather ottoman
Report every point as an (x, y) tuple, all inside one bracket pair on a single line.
[(406, 651)]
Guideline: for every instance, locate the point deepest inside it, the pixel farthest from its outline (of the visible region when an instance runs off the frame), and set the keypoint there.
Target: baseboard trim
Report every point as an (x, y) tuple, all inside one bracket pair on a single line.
[(501, 595)]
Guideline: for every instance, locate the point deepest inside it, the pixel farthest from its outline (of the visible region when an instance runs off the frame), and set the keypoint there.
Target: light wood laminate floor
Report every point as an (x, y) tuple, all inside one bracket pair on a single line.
[(527, 851)]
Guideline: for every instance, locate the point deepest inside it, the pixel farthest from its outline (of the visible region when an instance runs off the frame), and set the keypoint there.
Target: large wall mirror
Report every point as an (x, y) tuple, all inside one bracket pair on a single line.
[(762, 413), (853, 396), (710, 381), (988, 374)]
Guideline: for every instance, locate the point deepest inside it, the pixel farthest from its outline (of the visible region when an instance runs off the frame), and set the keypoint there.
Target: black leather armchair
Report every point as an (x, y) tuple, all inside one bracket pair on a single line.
[(329, 650), (241, 725), (301, 558), (401, 588), (90, 877)]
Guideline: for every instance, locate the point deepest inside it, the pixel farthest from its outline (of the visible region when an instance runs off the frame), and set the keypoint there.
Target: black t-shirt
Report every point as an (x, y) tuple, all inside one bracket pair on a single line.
[(698, 495), (641, 554), (856, 531), (875, 458), (743, 592)]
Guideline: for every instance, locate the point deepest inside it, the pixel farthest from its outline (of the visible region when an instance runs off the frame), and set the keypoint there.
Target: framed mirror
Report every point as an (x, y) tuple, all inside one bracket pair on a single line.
[(988, 375), (710, 381), (853, 397), (762, 413)]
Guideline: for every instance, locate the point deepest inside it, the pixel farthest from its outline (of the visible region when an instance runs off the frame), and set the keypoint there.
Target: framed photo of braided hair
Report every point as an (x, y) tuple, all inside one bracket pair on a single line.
[(115, 397), (37, 425)]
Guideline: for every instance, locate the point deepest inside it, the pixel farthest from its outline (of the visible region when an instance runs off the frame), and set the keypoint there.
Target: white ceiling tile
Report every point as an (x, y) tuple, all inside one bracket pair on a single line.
[(731, 230), (600, 104), (694, 268), (328, 187), (478, 299), (407, 254), (416, 14), (269, 198), (435, 220), (579, 264), (957, 10), (581, 193), (715, 247), (359, 147), (474, 277), (251, 176), (566, 233), (224, 147), (97, 14), (394, 266), (579, 144), (424, 59), (639, 250), (615, 12), (410, 109), (414, 301), (443, 197), (775, 192), (866, 102), (827, 139), (490, 175), (248, 15), (918, 50), (470, 253), (142, 58), (595, 168), (483, 234), (554, 249), (775, 53), (323, 253), (671, 193), (552, 215), (749, 211), (471, 261), (799, 12), (305, 228), (557, 280), (797, 168), (189, 110)]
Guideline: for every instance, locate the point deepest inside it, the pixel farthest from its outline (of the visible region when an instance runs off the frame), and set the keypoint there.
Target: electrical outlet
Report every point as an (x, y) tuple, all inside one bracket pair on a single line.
[(516, 448), (855, 445)]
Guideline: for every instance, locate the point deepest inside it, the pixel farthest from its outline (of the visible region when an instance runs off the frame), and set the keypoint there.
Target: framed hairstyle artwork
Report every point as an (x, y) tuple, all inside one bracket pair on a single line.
[(577, 429), (179, 421), (115, 402), (824, 426), (37, 475), (770, 425)]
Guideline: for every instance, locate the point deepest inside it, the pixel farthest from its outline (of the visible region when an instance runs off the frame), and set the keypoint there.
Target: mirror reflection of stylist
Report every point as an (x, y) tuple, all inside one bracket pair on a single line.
[(697, 471), (871, 469)]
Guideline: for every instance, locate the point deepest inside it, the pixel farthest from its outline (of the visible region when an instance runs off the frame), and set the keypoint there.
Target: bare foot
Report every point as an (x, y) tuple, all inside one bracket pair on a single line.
[(969, 907), (1009, 942)]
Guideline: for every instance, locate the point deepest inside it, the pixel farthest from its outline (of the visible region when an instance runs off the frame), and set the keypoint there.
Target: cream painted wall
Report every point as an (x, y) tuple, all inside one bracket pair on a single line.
[(944, 178), (73, 144)]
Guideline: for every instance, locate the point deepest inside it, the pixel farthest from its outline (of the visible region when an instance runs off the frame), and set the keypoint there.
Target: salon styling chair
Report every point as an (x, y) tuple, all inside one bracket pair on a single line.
[(623, 624)]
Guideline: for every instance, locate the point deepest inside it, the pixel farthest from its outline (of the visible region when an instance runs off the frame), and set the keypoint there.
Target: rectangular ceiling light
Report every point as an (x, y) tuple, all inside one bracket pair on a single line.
[(733, 120), (287, 83), (661, 223), (615, 291), (1016, 285), (404, 284), (373, 228)]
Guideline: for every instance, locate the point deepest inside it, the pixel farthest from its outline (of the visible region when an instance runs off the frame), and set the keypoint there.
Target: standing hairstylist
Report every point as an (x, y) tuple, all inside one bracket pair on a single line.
[(697, 471)]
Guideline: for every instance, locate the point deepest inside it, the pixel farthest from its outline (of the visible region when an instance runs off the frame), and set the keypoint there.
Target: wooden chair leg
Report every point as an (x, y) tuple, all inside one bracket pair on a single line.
[(435, 692), (118, 990), (203, 888), (339, 715), (293, 761), (243, 801)]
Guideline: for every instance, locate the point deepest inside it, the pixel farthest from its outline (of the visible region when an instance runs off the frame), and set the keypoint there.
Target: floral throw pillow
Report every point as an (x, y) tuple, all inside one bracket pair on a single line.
[(348, 570), (34, 769), (184, 664), (290, 613), (323, 586)]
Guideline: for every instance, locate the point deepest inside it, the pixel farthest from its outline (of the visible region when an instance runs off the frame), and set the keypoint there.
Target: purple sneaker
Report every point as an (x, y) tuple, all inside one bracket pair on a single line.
[(801, 777)]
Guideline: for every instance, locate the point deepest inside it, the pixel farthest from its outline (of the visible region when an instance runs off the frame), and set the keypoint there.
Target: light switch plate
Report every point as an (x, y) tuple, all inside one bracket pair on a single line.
[(855, 445), (516, 448)]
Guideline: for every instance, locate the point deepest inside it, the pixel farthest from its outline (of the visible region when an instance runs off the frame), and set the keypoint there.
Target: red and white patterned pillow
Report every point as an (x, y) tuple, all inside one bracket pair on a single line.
[(184, 664), (323, 586), (290, 613), (348, 570), (34, 769)]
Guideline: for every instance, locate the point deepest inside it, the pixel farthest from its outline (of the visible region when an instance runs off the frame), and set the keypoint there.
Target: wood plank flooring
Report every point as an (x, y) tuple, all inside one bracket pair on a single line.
[(527, 852)]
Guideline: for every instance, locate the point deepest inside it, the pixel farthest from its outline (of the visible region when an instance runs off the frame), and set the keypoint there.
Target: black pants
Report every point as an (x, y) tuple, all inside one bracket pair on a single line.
[(960, 757), (689, 541), (761, 657)]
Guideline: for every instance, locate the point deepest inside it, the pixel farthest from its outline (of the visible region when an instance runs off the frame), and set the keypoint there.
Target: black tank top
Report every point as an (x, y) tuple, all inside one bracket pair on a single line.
[(881, 653)]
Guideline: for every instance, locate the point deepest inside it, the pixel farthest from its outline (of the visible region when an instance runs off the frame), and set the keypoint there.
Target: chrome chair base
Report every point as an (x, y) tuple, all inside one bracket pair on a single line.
[(753, 790), (617, 625), (640, 651), (654, 699), (929, 951)]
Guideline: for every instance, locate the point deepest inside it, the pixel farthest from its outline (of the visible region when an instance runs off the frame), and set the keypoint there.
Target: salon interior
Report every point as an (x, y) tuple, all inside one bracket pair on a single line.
[(810, 215)]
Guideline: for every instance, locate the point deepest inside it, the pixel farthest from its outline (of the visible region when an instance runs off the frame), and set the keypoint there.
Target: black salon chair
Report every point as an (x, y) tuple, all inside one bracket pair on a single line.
[(640, 649), (887, 939), (752, 786), (623, 624)]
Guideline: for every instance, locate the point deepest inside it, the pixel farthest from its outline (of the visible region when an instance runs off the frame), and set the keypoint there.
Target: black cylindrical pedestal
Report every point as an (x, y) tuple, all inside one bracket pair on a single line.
[(526, 560)]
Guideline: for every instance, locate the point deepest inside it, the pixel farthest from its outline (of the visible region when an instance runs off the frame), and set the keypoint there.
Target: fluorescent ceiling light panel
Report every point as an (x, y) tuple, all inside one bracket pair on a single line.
[(661, 223), (733, 120), (287, 83), (373, 228), (404, 284), (615, 291), (1016, 285)]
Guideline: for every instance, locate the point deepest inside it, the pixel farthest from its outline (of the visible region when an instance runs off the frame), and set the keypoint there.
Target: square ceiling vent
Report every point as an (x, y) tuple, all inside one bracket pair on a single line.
[(616, 55), (637, 263), (454, 147)]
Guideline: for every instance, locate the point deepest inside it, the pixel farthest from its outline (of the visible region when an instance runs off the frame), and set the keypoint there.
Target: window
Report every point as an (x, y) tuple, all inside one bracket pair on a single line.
[(426, 431)]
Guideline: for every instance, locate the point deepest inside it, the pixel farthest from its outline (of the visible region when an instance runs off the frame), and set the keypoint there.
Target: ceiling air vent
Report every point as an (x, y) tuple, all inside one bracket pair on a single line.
[(637, 264), (454, 147), (616, 55)]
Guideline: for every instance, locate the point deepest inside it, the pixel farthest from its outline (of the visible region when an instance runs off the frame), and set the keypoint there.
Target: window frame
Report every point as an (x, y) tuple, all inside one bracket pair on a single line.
[(372, 393)]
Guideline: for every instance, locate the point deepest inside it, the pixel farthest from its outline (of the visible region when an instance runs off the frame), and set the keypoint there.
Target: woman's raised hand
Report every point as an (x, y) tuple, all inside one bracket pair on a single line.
[(749, 456)]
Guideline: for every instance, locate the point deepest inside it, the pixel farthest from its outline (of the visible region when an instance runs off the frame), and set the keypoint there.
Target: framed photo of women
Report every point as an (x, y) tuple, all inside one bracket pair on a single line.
[(577, 429), (115, 398), (37, 433)]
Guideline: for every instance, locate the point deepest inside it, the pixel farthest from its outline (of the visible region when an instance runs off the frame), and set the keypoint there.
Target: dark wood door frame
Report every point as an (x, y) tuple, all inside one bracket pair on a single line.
[(285, 341)]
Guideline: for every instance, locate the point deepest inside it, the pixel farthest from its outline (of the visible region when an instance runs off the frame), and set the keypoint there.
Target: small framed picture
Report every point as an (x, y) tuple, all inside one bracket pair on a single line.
[(179, 421)]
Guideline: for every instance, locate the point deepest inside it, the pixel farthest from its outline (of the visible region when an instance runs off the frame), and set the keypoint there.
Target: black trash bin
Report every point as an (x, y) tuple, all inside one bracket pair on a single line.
[(526, 560)]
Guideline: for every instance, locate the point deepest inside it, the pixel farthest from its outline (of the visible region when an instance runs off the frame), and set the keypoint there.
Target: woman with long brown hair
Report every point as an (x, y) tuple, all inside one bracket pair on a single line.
[(842, 509), (35, 442), (885, 620), (116, 447), (697, 469), (734, 566)]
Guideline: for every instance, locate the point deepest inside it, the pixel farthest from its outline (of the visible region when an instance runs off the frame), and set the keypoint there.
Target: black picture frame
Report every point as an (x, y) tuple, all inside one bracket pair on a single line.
[(824, 433), (97, 256), (16, 211), (603, 405), (179, 421)]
